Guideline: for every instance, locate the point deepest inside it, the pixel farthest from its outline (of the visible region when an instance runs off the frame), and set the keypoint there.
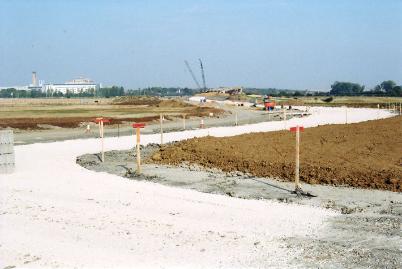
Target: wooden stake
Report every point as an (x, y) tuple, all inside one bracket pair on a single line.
[(161, 125), (103, 153), (100, 130), (297, 183), (284, 117), (236, 123), (378, 111), (138, 151)]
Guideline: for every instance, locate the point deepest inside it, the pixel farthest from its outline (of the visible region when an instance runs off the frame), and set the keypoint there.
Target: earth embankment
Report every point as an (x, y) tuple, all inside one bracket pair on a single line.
[(364, 155)]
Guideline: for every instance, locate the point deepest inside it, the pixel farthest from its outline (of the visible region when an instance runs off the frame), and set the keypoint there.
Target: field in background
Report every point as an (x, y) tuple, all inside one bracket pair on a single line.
[(70, 113), (350, 101)]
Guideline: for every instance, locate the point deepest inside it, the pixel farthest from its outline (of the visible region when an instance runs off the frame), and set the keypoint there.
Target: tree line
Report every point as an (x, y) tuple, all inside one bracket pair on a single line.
[(385, 88), (101, 92)]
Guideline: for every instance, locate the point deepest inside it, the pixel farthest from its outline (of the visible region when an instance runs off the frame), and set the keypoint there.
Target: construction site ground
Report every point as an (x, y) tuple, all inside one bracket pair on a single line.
[(369, 218), (365, 155), (106, 216), (171, 123)]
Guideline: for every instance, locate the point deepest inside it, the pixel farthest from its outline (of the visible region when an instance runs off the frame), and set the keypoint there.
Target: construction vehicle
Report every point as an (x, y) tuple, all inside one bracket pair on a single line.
[(269, 104)]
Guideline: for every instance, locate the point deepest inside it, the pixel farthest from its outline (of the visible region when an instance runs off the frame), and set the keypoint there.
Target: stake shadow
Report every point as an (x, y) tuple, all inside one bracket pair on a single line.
[(297, 192), (272, 185)]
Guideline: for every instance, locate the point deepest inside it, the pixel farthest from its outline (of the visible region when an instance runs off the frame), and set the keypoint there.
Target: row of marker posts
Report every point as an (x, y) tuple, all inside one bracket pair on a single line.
[(296, 129), (139, 126)]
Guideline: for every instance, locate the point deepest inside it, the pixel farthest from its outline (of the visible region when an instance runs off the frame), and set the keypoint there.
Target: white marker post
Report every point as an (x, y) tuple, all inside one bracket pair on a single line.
[(100, 122), (184, 121), (284, 117), (161, 125), (297, 129), (236, 123), (378, 111), (138, 127)]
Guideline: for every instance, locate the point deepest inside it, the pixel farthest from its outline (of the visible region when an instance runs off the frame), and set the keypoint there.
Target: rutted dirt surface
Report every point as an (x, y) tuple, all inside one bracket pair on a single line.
[(364, 155), (64, 122), (153, 104)]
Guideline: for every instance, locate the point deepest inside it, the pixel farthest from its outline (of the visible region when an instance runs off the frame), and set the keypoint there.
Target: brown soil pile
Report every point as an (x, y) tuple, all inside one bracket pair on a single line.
[(365, 155), (150, 101), (202, 111), (137, 100)]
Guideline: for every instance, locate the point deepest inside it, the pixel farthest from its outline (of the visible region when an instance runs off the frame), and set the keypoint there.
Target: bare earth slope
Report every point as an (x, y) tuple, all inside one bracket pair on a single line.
[(365, 155)]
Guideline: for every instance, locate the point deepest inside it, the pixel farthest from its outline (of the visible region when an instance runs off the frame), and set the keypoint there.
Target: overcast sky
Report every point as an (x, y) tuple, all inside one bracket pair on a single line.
[(283, 44)]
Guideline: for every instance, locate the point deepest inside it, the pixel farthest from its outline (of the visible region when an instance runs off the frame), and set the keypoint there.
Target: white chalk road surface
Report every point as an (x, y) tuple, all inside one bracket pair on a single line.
[(54, 213)]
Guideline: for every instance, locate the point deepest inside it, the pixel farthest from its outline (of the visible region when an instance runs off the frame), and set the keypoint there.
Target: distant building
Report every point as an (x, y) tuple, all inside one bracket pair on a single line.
[(74, 86), (228, 90), (34, 86)]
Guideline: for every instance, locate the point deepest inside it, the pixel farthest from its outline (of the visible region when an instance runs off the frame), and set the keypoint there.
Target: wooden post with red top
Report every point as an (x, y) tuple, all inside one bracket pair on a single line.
[(161, 127), (100, 122), (137, 127), (297, 129)]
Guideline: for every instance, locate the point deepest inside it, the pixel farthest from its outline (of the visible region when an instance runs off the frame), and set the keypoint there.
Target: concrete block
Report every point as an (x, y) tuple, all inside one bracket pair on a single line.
[(7, 159), (6, 148), (6, 137), (6, 169)]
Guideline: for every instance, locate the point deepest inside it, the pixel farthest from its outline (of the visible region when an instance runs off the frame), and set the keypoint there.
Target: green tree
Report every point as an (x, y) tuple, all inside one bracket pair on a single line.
[(346, 88), (396, 91), (388, 85)]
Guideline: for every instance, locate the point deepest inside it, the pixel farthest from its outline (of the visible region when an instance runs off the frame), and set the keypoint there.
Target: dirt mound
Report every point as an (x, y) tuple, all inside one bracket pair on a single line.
[(203, 111), (365, 155), (173, 103), (137, 100), (150, 101)]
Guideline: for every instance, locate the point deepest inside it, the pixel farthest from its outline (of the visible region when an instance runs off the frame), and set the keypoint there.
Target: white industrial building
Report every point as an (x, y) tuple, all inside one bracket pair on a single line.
[(73, 86)]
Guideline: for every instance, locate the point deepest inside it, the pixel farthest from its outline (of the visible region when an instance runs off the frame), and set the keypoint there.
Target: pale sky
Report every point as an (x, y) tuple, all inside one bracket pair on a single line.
[(282, 44)]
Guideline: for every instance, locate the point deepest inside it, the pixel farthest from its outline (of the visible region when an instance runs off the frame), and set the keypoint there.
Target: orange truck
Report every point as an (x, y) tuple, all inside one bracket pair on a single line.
[(268, 103)]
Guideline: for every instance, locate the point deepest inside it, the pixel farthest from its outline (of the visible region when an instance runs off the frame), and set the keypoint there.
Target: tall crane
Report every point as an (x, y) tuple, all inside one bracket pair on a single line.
[(192, 75), (203, 76)]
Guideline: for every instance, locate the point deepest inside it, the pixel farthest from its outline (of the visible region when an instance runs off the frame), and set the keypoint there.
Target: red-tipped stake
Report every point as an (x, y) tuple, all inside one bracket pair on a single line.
[(100, 122), (297, 129), (137, 127)]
